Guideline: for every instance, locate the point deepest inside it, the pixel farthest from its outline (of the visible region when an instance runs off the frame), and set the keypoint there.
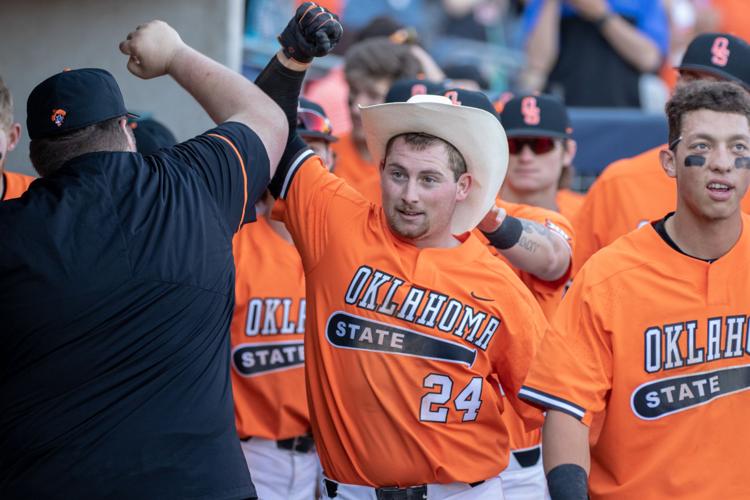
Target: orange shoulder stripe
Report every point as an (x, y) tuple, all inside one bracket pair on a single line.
[(244, 174)]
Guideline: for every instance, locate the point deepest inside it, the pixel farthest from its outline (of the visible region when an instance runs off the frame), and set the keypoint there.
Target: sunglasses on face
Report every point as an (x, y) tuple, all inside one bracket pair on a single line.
[(538, 145), (313, 121)]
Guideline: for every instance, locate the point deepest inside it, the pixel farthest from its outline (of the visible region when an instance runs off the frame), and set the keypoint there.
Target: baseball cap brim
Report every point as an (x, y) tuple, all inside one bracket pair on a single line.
[(712, 71), (527, 132), (475, 133)]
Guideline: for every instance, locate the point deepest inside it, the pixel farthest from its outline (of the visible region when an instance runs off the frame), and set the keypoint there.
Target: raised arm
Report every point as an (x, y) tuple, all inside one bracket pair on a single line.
[(528, 245), (312, 32), (156, 49)]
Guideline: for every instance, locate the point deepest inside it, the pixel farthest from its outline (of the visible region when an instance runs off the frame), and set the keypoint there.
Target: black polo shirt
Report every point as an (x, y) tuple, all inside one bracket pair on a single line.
[(116, 294)]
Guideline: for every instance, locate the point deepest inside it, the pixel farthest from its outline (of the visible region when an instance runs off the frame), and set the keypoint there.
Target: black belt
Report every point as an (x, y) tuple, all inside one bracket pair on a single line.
[(528, 458), (300, 444), (390, 492)]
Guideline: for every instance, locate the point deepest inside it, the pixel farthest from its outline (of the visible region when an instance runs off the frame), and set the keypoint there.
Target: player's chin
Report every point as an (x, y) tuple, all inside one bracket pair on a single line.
[(407, 231), (720, 210)]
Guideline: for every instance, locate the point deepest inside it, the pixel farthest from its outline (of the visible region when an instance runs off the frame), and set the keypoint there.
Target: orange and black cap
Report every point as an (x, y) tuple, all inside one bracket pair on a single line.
[(535, 115), (402, 90), (72, 100), (720, 54), (470, 98)]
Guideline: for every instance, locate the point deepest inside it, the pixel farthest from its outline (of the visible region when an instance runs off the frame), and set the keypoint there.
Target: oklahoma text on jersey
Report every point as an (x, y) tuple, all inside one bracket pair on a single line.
[(474, 326), (681, 344)]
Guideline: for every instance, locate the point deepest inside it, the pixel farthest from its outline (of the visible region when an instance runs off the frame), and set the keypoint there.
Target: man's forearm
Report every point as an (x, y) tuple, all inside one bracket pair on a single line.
[(542, 47), (632, 45), (282, 80), (539, 252)]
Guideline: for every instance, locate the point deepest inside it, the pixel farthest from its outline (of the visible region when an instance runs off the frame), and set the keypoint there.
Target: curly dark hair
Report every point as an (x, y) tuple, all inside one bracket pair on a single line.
[(723, 97)]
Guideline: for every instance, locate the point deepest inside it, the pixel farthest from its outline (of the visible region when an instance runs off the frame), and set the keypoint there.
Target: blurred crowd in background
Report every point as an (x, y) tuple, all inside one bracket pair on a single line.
[(614, 82)]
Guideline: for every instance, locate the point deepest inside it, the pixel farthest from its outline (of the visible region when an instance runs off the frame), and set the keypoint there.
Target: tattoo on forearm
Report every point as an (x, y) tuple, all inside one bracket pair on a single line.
[(527, 244)]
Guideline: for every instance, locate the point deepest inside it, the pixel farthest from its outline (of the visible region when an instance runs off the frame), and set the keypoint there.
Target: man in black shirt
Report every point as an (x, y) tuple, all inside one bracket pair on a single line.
[(116, 285)]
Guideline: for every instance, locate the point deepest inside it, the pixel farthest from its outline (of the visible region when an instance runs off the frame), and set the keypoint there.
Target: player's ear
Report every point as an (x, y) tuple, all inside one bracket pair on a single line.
[(668, 161), (463, 186), (570, 147), (14, 134)]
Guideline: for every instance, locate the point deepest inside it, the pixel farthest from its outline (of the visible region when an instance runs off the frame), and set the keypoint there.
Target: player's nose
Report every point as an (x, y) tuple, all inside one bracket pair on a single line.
[(526, 153), (722, 160), (410, 193)]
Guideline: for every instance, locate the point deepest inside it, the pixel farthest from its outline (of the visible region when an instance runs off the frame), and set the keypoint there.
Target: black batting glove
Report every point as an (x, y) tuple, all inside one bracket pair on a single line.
[(312, 32)]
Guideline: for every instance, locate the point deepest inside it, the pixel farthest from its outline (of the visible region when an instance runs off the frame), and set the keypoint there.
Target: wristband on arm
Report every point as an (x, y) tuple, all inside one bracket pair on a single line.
[(568, 482), (507, 234)]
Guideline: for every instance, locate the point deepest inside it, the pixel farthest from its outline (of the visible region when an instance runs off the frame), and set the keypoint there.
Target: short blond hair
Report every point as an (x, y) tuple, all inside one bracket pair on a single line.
[(6, 106)]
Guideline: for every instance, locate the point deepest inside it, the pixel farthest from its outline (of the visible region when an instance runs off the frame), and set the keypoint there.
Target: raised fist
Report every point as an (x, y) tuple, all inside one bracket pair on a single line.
[(151, 48), (312, 32)]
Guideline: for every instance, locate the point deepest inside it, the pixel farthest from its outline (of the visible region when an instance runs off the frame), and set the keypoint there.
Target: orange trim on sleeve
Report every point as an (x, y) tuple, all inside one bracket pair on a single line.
[(244, 174)]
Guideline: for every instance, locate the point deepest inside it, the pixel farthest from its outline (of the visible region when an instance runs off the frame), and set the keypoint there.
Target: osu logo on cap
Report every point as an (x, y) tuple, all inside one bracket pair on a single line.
[(453, 96), (418, 89), (58, 117), (532, 115), (720, 51)]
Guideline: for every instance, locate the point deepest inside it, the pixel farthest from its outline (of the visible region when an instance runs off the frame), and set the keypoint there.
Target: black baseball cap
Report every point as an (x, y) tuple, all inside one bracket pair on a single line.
[(312, 121), (402, 90), (471, 98), (532, 115), (466, 72), (72, 100), (151, 136), (719, 54)]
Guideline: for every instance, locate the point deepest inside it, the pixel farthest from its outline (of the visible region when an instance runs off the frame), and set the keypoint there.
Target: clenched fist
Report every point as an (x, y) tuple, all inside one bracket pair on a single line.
[(312, 32), (151, 47)]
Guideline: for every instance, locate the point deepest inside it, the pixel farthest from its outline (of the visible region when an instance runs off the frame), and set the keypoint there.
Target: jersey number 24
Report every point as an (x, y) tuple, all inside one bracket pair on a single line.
[(435, 405)]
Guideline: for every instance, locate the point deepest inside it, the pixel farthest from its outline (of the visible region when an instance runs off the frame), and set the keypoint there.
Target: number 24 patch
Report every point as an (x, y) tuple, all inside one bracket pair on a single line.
[(436, 405)]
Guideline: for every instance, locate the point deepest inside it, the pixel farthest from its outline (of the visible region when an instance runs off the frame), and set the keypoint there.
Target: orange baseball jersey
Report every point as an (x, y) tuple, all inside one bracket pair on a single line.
[(548, 295), (569, 203), (360, 174), (268, 326), (15, 184), (404, 345), (628, 194), (659, 340)]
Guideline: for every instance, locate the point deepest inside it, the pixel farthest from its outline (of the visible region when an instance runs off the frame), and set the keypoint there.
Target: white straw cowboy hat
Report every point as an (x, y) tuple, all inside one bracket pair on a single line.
[(475, 133)]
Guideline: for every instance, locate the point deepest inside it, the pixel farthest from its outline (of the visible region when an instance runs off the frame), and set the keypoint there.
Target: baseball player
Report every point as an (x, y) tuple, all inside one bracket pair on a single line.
[(268, 329), (12, 184), (649, 346), (541, 153), (116, 283), (411, 321), (631, 192), (542, 232), (536, 243)]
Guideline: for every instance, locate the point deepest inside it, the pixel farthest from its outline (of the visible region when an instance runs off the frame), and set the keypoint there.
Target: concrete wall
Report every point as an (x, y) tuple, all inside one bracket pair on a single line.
[(41, 37)]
